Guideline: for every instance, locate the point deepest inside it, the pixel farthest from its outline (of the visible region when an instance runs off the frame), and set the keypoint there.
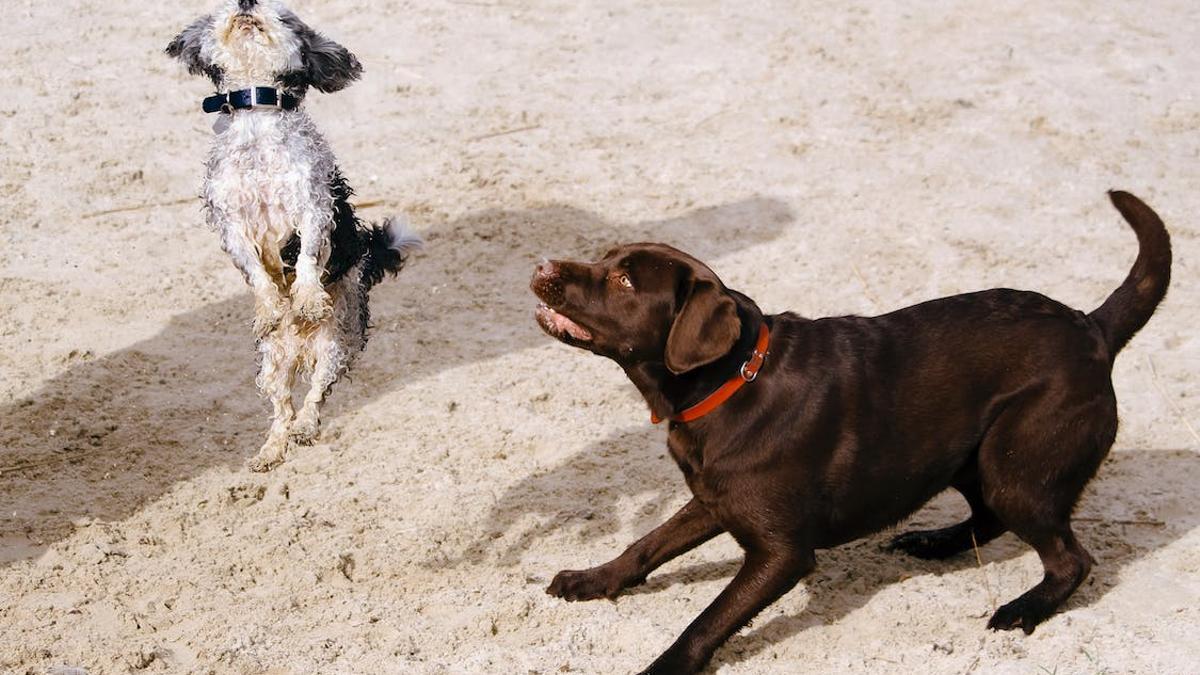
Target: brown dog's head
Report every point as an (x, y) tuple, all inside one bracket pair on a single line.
[(639, 303)]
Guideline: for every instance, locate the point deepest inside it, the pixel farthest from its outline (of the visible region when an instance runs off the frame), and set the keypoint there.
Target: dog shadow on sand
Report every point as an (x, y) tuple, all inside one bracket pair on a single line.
[(113, 432), (1137, 504)]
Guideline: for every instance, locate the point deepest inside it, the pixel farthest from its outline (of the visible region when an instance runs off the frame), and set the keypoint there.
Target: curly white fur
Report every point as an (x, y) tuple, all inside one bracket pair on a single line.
[(272, 176), (268, 177)]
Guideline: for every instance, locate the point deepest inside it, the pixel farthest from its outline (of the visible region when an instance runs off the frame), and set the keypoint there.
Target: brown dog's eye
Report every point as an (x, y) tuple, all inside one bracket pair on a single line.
[(626, 282)]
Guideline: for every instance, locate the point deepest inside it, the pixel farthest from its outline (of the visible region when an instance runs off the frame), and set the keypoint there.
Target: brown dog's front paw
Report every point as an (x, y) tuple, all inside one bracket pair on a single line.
[(931, 544), (675, 663), (1020, 613), (574, 585)]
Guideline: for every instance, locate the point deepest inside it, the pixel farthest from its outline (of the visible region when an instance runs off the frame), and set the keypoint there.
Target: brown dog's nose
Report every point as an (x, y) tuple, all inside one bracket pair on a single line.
[(544, 269), (546, 282)]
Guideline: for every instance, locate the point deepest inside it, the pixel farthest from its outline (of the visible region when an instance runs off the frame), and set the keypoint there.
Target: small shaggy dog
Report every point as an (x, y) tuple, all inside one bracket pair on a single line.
[(275, 193)]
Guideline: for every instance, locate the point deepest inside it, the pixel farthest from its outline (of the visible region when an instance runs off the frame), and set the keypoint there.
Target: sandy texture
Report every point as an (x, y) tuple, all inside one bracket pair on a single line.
[(824, 158)]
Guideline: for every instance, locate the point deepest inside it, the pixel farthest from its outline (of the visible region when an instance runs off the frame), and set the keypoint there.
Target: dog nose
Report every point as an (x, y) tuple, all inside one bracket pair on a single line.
[(246, 5), (545, 278), (545, 268)]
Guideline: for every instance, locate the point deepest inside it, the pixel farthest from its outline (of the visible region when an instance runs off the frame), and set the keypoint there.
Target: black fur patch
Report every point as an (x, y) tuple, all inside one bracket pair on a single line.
[(328, 66), (346, 241), (186, 48), (294, 82), (381, 260), (351, 243)]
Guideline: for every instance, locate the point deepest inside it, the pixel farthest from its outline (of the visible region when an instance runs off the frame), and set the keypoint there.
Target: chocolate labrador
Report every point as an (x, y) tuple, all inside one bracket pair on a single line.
[(795, 434)]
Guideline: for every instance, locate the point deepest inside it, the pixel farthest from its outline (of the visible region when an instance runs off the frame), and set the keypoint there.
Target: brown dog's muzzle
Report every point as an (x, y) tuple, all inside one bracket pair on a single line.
[(546, 283), (549, 286)]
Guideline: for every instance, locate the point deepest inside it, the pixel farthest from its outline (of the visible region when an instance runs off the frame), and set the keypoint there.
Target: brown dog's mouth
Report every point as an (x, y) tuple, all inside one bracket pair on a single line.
[(559, 325)]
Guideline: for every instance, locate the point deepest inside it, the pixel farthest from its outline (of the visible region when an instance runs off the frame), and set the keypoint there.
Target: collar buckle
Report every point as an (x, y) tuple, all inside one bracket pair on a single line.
[(751, 367), (265, 97)]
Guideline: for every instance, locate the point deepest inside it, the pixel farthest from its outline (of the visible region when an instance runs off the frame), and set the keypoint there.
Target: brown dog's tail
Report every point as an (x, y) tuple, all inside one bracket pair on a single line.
[(1129, 307)]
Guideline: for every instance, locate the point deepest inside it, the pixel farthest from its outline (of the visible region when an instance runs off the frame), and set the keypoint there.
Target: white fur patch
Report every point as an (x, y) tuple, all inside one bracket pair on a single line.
[(400, 236)]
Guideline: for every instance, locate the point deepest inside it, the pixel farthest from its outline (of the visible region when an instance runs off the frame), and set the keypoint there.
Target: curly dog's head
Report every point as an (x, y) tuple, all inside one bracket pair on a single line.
[(249, 43)]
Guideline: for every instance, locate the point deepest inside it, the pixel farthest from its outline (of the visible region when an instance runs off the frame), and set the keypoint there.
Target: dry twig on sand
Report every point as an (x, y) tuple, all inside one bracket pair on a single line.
[(1117, 521), (979, 563), (139, 207), (1163, 392), (867, 288), (178, 202), (21, 466), (503, 133)]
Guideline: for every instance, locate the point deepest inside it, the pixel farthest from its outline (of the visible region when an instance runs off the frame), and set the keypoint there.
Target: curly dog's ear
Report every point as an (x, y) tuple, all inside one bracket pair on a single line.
[(328, 66), (188, 47)]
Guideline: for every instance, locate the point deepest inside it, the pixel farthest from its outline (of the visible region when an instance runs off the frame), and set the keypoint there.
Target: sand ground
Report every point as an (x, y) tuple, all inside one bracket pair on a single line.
[(824, 157)]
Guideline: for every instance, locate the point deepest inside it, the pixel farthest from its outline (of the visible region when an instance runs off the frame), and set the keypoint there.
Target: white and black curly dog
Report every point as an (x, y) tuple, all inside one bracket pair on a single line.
[(275, 193)]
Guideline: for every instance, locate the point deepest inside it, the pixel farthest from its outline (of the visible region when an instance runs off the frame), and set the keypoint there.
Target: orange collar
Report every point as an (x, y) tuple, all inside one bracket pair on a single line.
[(747, 374)]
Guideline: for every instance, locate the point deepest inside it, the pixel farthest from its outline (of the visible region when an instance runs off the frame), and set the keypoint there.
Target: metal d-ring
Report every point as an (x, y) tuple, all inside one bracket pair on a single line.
[(749, 377)]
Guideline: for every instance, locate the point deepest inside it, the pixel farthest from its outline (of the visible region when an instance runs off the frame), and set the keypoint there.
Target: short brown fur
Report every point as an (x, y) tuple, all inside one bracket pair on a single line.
[(854, 423)]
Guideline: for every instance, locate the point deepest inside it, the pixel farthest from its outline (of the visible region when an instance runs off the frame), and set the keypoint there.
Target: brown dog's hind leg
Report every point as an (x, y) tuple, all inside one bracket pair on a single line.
[(1033, 465), (947, 541), (766, 575), (685, 530), (1066, 563)]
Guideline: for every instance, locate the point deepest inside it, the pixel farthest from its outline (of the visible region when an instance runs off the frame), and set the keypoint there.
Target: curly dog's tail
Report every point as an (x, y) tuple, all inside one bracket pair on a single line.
[(388, 246)]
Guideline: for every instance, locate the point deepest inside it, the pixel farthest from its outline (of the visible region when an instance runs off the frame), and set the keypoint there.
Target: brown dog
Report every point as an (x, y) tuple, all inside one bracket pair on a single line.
[(850, 424)]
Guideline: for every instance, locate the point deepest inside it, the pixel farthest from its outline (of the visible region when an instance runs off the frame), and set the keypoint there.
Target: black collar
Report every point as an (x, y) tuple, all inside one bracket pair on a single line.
[(249, 99)]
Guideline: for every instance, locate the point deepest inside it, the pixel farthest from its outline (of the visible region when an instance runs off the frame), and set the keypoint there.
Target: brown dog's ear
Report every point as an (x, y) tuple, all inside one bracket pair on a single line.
[(704, 330)]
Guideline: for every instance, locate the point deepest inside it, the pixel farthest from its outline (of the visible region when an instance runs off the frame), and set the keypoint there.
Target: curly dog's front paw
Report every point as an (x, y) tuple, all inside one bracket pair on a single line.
[(270, 455), (268, 313), (305, 428), (312, 303)]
